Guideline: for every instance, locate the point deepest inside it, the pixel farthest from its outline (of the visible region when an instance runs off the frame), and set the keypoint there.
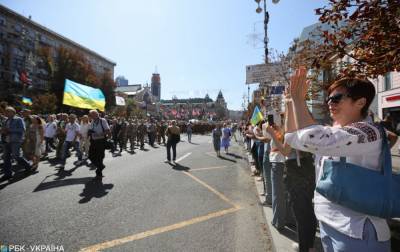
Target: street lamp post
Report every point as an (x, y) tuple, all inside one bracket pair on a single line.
[(266, 21)]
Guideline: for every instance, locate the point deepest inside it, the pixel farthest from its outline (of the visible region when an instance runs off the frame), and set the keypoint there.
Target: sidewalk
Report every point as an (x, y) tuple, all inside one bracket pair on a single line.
[(280, 241)]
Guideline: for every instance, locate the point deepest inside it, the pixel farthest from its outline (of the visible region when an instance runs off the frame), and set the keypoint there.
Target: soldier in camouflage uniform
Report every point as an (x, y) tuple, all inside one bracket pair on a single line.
[(123, 137), (141, 132), (164, 127), (158, 130), (131, 133), (60, 133)]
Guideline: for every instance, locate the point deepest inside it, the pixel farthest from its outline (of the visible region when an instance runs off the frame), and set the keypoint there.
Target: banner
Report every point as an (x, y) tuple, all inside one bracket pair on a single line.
[(120, 101), (82, 96)]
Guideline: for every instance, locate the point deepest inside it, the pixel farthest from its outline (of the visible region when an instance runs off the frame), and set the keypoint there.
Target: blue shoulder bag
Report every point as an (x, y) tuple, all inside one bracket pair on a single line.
[(371, 192)]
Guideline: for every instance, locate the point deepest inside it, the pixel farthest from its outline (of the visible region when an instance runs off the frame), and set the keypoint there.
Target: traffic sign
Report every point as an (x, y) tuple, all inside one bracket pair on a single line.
[(261, 73)]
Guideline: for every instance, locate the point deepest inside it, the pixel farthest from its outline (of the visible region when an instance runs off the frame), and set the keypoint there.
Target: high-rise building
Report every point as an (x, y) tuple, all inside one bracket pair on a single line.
[(21, 39), (121, 81), (156, 86)]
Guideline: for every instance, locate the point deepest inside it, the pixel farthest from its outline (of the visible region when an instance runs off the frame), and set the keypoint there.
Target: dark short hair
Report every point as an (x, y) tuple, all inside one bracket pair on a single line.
[(356, 89)]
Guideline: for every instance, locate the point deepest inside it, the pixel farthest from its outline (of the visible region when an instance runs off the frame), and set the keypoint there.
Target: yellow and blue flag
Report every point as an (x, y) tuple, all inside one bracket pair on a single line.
[(26, 100), (257, 116), (82, 96)]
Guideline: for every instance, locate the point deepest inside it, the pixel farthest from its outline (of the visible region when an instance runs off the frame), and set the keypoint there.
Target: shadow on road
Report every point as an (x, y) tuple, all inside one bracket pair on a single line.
[(194, 143), (94, 189), (62, 174), (58, 183), (234, 155), (18, 176), (179, 167), (228, 159)]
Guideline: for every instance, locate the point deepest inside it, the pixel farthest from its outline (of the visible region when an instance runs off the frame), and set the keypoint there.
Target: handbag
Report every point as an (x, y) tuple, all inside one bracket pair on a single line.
[(363, 190), (108, 144)]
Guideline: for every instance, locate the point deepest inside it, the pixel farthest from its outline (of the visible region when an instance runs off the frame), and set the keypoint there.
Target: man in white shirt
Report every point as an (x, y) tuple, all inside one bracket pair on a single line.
[(72, 139), (99, 131), (50, 130)]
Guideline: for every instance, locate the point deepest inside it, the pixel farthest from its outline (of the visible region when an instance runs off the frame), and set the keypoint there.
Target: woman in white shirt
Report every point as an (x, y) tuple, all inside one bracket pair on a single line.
[(85, 141), (277, 161), (342, 229)]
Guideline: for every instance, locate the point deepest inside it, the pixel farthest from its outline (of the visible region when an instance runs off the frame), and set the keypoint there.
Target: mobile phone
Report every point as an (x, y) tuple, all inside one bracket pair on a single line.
[(270, 119)]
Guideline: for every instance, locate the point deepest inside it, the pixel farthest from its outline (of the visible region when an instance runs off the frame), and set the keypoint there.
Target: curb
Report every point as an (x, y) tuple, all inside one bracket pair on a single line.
[(279, 242)]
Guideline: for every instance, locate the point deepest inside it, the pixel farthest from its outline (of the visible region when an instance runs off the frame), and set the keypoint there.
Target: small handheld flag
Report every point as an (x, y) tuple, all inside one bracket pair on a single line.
[(257, 116), (27, 101)]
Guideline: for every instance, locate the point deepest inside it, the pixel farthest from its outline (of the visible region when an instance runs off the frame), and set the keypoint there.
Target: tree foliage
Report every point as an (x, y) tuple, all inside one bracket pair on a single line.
[(44, 104), (367, 31), (74, 66)]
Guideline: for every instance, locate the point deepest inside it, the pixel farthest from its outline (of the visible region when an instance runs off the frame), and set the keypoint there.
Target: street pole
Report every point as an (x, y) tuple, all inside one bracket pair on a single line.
[(266, 20)]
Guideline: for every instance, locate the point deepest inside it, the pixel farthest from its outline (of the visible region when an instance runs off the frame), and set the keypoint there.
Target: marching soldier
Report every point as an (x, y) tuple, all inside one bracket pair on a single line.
[(164, 127), (131, 134), (123, 136), (141, 132)]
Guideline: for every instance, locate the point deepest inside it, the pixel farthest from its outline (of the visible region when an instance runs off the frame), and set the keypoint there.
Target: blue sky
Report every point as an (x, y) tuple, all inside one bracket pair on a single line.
[(198, 47)]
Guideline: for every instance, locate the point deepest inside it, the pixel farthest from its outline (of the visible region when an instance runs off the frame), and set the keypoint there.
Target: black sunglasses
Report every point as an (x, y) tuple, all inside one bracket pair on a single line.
[(336, 98)]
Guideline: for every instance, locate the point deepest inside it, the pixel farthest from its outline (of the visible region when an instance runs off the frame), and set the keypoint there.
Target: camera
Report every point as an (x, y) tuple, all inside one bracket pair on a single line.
[(270, 119)]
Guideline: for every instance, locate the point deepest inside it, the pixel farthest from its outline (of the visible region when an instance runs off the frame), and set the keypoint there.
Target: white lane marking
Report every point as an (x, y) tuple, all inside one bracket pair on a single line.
[(183, 157)]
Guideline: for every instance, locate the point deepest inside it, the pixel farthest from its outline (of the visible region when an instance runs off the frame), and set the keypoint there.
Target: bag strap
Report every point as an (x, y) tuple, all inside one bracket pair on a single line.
[(385, 159)]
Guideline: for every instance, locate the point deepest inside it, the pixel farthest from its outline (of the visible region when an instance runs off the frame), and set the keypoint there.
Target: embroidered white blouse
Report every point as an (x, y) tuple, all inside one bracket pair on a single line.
[(361, 144)]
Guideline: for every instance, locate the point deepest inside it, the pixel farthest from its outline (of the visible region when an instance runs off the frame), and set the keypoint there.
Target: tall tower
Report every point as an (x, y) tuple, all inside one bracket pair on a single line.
[(156, 85)]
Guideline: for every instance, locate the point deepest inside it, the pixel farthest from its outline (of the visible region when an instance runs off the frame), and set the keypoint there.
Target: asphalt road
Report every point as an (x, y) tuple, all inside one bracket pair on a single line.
[(204, 203)]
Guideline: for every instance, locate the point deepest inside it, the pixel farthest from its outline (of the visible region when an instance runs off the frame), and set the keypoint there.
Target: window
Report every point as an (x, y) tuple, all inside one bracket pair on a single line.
[(2, 21), (387, 81), (17, 28)]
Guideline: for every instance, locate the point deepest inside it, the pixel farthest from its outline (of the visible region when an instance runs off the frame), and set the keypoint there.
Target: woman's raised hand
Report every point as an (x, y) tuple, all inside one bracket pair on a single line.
[(299, 85)]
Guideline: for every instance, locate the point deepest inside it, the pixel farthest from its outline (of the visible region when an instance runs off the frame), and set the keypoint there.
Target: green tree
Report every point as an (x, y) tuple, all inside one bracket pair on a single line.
[(44, 104)]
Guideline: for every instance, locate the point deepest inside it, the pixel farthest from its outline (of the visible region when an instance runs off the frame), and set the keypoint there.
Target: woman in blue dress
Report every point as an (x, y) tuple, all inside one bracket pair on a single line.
[(226, 137)]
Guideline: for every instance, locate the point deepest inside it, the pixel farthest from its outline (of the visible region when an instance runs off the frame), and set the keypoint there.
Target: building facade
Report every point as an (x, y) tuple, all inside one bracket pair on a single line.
[(121, 81), (156, 86), (195, 108), (21, 69), (388, 98)]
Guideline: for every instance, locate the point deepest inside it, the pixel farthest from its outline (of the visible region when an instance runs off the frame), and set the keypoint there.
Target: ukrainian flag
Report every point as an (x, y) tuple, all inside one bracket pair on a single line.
[(257, 116), (27, 101), (81, 96)]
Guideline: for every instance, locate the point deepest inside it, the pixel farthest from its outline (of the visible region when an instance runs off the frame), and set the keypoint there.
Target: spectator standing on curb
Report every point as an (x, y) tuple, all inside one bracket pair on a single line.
[(300, 183), (277, 161), (173, 134), (98, 133), (360, 142)]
